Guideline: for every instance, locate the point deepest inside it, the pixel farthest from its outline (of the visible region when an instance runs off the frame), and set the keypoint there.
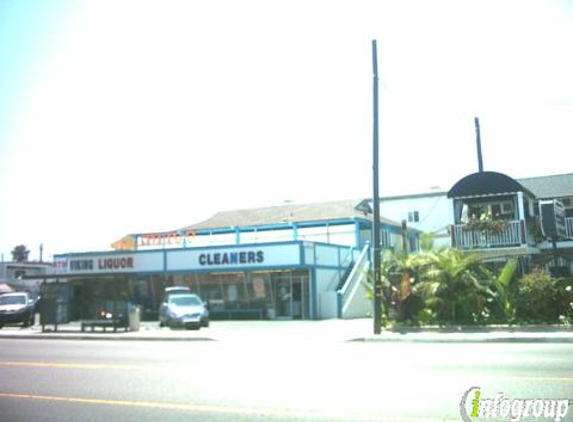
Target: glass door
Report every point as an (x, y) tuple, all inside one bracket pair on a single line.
[(300, 294), (283, 298)]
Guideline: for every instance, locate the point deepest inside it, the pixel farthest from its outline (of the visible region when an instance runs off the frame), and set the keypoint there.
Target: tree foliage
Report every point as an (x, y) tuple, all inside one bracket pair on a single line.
[(537, 299), (20, 254), (448, 286), (450, 282)]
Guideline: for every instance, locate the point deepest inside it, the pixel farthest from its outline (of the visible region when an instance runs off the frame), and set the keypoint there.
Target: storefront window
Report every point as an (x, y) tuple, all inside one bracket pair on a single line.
[(231, 295), (233, 287), (260, 292)]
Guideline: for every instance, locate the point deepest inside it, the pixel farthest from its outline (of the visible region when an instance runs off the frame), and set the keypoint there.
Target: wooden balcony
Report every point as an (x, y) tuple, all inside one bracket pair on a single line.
[(513, 235)]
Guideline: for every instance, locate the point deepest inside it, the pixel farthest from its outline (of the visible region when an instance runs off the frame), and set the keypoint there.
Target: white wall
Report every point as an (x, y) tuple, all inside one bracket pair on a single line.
[(359, 306), (435, 211), (326, 296), (344, 234), (328, 305)]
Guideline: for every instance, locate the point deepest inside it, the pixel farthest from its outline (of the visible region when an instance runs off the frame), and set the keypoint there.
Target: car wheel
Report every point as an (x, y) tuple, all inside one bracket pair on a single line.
[(1, 326), (161, 324)]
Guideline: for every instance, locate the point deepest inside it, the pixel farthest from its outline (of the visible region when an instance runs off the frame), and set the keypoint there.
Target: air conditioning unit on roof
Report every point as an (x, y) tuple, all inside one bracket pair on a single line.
[(552, 215)]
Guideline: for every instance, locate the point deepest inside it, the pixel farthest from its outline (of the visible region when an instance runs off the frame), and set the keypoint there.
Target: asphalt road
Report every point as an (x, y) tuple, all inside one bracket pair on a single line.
[(53, 380)]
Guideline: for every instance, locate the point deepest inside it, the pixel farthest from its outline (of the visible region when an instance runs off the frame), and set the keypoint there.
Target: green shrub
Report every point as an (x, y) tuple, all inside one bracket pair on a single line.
[(537, 298), (564, 287), (410, 307)]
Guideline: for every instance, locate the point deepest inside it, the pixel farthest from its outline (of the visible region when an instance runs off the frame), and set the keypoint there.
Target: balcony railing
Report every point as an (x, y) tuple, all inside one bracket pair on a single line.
[(512, 235)]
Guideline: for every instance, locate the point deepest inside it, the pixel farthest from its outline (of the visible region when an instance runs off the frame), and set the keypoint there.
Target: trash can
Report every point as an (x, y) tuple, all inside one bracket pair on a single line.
[(134, 317)]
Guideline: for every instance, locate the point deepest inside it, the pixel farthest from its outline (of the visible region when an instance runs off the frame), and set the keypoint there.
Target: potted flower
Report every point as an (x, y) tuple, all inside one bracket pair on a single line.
[(486, 223)]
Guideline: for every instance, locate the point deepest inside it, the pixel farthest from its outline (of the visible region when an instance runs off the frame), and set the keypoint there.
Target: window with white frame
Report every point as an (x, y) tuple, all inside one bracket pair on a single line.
[(413, 217)]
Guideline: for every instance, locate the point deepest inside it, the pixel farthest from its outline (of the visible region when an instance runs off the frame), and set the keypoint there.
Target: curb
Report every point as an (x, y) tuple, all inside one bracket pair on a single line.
[(403, 338), (508, 329), (98, 337), (465, 340)]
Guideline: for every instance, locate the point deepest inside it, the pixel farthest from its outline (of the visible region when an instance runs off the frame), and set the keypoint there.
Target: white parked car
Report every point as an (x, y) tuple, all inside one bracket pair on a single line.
[(185, 310), (17, 308)]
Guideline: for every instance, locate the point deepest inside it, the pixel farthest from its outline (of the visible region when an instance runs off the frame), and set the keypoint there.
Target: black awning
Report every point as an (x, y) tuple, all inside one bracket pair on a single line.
[(486, 183)]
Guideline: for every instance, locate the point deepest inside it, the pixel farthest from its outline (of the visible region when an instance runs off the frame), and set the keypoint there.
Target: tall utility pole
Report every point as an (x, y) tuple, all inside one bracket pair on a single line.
[(376, 202), (478, 145)]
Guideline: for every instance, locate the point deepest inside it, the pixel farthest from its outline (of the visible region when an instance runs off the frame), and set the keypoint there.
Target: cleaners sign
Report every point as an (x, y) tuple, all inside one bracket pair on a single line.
[(232, 258), (235, 257)]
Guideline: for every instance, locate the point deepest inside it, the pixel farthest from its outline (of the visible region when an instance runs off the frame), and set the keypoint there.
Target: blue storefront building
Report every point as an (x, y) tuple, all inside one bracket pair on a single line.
[(295, 261)]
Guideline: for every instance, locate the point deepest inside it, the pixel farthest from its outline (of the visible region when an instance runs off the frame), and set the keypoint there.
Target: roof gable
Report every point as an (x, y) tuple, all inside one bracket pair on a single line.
[(289, 213), (546, 187)]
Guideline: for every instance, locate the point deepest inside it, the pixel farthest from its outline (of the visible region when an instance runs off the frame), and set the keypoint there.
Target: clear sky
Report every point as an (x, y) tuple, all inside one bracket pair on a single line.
[(126, 116)]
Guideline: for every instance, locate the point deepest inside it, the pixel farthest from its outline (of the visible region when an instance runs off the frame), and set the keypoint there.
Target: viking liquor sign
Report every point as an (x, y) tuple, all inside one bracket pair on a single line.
[(102, 264)]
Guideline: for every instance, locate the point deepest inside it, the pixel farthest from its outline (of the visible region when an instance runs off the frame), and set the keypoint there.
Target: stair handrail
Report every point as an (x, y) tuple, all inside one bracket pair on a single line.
[(352, 278)]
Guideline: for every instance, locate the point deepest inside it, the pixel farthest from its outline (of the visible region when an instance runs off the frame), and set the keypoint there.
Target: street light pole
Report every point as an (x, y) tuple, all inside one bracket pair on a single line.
[(376, 201)]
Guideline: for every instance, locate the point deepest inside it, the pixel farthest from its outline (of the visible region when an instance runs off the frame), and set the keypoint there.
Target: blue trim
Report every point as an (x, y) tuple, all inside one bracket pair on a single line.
[(276, 226), (339, 304), (295, 231), (314, 253), (211, 247), (286, 226), (313, 300), (200, 248), (236, 269), (201, 270), (237, 236), (302, 258), (173, 272)]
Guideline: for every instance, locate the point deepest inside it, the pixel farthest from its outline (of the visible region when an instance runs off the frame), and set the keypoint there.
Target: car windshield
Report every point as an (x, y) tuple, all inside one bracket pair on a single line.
[(12, 300), (184, 301)]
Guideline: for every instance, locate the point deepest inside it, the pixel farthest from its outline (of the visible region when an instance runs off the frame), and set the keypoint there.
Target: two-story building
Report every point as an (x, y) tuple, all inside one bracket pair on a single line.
[(500, 217), (495, 215)]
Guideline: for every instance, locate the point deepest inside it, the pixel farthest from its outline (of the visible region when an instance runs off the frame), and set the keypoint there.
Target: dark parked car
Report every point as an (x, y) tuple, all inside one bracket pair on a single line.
[(184, 310), (17, 308)]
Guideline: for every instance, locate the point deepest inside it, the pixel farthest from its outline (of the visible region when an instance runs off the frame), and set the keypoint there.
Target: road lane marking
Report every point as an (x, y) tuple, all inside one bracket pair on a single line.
[(221, 409), (524, 378), (131, 403), (542, 379)]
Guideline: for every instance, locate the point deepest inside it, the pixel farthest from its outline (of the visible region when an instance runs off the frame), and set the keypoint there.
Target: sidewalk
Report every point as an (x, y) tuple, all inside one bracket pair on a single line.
[(336, 331)]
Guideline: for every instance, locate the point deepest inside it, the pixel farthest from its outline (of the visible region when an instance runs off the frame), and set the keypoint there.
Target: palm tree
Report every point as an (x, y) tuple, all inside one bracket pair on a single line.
[(450, 284), (502, 283)]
